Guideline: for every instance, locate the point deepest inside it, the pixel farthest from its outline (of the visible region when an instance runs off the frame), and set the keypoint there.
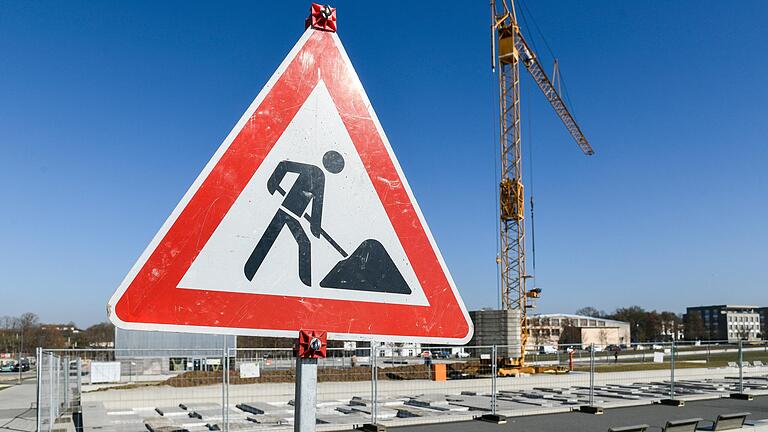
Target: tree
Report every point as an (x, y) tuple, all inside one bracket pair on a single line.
[(48, 338), (28, 320), (635, 316), (653, 326), (670, 324), (98, 335), (591, 312)]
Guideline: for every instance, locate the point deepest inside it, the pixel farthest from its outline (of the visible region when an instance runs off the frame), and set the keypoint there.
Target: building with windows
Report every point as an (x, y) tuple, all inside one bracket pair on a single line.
[(729, 322), (554, 329), (763, 312)]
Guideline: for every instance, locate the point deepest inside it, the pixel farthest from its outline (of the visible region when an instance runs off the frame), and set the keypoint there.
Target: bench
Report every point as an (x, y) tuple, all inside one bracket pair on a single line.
[(723, 422), (729, 421), (635, 428), (686, 425)]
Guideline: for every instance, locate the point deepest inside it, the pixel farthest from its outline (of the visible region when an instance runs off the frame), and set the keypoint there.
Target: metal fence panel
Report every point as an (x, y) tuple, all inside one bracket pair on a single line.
[(392, 384)]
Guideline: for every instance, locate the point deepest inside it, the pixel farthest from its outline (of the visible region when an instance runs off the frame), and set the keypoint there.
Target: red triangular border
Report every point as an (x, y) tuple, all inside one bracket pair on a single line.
[(149, 298)]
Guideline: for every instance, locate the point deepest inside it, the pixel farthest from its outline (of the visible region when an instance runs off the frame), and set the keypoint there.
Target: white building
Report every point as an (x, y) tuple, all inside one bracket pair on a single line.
[(729, 322), (555, 329)]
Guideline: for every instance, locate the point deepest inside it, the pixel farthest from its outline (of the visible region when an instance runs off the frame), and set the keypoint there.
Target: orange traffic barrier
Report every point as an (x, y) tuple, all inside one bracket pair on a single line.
[(438, 372)]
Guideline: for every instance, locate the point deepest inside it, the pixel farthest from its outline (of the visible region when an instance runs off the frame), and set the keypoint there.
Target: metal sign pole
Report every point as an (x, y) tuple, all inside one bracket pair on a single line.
[(306, 395), (311, 346)]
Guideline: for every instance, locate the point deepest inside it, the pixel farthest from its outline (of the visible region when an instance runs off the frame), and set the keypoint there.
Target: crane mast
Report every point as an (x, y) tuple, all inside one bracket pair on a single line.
[(509, 49)]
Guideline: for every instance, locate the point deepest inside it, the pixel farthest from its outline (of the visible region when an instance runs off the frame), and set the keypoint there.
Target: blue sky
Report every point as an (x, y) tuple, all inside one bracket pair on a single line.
[(109, 110)]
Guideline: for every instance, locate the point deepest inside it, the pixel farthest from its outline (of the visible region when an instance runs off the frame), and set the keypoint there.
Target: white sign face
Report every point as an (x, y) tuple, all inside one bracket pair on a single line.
[(351, 213), (658, 357), (105, 372), (350, 346), (250, 370)]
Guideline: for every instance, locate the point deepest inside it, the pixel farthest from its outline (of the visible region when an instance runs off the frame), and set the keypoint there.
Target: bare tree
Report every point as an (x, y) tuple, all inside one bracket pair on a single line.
[(591, 312)]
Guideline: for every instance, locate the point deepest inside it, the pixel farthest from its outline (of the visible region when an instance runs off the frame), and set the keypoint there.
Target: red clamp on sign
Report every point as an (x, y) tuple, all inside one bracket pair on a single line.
[(321, 17), (312, 344)]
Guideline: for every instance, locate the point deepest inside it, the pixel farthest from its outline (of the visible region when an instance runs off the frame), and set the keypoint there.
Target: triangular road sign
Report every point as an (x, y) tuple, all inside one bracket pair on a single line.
[(302, 219)]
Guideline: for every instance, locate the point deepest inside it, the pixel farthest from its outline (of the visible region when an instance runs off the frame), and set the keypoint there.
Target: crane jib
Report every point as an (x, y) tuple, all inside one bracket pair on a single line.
[(533, 66)]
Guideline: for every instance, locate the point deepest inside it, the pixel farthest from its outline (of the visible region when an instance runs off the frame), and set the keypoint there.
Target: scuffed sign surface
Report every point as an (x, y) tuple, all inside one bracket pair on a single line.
[(303, 219)]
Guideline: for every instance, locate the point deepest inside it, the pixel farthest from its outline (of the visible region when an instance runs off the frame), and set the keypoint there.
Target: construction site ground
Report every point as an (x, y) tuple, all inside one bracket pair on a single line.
[(342, 405)]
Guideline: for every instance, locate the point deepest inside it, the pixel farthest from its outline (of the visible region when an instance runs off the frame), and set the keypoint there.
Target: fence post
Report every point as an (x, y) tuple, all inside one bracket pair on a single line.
[(374, 382), (741, 395), (494, 375), (671, 401), (38, 365), (79, 368), (50, 390), (672, 372), (741, 368), (591, 408), (224, 386), (66, 383), (592, 375)]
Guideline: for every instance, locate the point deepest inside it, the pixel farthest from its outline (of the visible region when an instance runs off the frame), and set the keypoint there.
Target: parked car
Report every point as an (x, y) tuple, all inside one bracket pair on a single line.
[(462, 354), (441, 355), (547, 349), (613, 348), (8, 367)]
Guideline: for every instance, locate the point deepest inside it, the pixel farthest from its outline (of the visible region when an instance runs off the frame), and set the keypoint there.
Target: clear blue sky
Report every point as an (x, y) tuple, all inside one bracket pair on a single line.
[(109, 110)]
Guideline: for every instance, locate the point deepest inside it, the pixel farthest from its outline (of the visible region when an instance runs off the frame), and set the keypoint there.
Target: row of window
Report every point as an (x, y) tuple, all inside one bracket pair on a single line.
[(546, 332), (555, 322), (742, 325), (742, 318), (749, 334)]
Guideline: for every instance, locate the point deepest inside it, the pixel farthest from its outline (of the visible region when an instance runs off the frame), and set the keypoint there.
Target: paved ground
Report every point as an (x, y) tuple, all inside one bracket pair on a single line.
[(199, 408), (16, 413), (416, 401), (654, 415), (13, 377)]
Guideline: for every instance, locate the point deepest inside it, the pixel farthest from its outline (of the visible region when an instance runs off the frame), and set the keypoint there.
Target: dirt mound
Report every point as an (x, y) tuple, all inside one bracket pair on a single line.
[(359, 373)]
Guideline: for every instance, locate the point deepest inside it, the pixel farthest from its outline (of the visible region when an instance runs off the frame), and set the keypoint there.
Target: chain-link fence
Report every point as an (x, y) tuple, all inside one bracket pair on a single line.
[(58, 387), (391, 384)]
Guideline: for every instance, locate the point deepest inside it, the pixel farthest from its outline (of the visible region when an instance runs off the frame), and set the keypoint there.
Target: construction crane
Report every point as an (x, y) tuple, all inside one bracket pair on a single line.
[(509, 49)]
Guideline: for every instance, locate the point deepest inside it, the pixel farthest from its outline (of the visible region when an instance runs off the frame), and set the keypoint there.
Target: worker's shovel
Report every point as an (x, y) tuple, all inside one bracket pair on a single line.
[(324, 234)]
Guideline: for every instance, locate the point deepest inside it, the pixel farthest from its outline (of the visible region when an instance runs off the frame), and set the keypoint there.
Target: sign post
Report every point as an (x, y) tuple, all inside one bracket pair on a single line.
[(311, 347), (302, 219)]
